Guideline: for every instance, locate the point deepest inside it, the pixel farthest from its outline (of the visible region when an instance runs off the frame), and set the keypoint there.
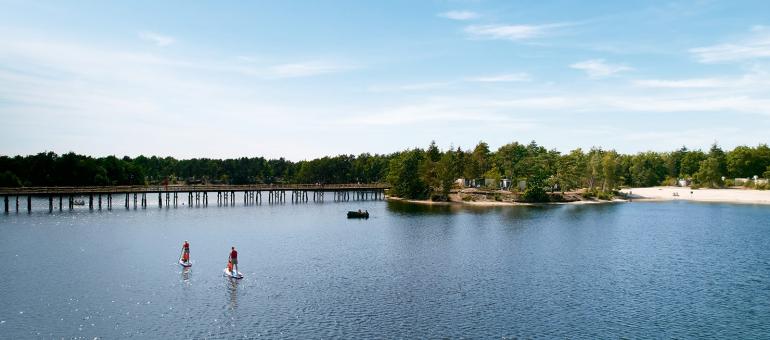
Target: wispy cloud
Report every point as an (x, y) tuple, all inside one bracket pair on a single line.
[(157, 39), (757, 45), (599, 68), (696, 83), (444, 110), (459, 15), (510, 32), (756, 81), (307, 69), (411, 87), (508, 77)]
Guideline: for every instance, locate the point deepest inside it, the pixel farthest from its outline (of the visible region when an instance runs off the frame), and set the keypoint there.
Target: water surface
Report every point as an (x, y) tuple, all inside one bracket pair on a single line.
[(637, 270)]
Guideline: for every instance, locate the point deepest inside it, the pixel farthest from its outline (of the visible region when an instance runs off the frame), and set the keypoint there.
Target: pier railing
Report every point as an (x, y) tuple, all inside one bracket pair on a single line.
[(122, 189)]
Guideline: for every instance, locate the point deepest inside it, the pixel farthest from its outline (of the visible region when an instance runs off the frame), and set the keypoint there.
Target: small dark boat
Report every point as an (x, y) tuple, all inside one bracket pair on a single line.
[(358, 214), (78, 202)]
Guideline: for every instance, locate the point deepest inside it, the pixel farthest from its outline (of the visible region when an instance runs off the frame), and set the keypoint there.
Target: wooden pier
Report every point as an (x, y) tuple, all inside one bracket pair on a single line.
[(194, 195)]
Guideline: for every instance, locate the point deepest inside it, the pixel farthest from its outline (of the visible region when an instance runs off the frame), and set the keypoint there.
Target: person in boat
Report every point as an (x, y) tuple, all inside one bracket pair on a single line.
[(186, 252), (233, 261)]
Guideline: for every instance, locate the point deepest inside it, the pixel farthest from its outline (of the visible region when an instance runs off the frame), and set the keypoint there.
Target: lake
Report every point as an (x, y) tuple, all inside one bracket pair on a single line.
[(635, 270)]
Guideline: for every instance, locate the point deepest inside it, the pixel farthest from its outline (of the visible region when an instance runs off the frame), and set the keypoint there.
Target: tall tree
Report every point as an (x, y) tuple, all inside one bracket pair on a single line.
[(403, 177), (609, 170), (480, 159), (708, 174), (691, 163), (647, 169), (446, 174), (570, 169)]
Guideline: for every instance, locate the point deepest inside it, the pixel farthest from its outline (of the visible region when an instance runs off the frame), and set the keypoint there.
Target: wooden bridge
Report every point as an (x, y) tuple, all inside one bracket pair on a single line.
[(197, 195)]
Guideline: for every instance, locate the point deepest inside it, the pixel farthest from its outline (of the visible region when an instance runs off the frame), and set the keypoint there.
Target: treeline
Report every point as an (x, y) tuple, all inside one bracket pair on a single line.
[(598, 171), (70, 169), (416, 173)]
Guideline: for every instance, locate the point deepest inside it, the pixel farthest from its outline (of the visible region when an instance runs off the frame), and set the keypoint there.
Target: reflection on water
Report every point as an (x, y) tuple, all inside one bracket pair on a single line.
[(186, 272), (232, 289), (639, 270)]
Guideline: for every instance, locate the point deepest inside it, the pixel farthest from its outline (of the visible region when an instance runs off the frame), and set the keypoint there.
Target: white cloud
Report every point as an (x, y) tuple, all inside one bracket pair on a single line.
[(439, 111), (508, 77), (683, 83), (307, 69), (598, 68), (157, 39), (410, 87), (757, 45), (509, 32), (758, 81), (460, 15), (98, 93)]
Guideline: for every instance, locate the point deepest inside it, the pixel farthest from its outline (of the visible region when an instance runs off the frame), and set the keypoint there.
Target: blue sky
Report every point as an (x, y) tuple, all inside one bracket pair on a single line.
[(307, 79)]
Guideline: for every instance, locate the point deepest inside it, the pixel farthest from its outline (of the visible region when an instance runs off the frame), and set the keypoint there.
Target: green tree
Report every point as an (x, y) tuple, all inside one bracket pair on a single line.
[(717, 153), (446, 174), (647, 169), (708, 174), (609, 170), (594, 167), (691, 163), (403, 178), (746, 161), (434, 154), (508, 156), (493, 174), (9, 179), (480, 160), (535, 191), (570, 169)]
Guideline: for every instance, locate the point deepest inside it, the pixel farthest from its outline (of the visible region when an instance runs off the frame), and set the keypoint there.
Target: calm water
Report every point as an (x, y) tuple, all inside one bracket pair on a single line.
[(637, 270)]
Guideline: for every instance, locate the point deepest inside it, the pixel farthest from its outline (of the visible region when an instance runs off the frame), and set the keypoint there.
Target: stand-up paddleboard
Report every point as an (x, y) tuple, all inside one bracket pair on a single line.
[(183, 264), (230, 274)]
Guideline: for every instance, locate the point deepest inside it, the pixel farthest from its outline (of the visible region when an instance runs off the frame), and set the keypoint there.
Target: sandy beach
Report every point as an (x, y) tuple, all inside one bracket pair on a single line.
[(700, 195)]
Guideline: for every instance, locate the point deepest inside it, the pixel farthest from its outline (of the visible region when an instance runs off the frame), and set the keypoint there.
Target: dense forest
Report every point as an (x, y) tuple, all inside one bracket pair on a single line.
[(416, 173)]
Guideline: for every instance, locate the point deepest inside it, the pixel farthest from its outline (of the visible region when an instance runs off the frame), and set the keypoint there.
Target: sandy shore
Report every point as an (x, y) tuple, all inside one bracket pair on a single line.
[(700, 195), (496, 203)]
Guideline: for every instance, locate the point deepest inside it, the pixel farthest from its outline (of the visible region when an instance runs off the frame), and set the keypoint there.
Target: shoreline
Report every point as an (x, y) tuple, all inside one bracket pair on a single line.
[(496, 203), (667, 193), (650, 194)]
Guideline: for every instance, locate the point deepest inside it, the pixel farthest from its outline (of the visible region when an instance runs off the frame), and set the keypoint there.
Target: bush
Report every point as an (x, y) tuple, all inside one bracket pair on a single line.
[(670, 181), (729, 182), (9, 179), (557, 197), (535, 194), (437, 197), (468, 198), (604, 196), (498, 197)]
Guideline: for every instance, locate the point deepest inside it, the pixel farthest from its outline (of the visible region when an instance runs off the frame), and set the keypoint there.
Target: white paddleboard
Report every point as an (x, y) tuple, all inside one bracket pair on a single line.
[(183, 264), (236, 276)]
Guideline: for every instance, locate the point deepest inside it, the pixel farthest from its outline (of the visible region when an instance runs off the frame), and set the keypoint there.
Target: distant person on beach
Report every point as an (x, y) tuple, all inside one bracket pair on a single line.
[(186, 252), (233, 261)]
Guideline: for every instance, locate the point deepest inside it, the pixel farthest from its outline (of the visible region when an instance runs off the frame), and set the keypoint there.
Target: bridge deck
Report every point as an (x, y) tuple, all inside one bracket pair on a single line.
[(54, 191)]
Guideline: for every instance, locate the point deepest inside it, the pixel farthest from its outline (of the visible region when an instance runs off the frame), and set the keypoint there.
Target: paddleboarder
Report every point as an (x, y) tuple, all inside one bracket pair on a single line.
[(186, 252), (233, 260)]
